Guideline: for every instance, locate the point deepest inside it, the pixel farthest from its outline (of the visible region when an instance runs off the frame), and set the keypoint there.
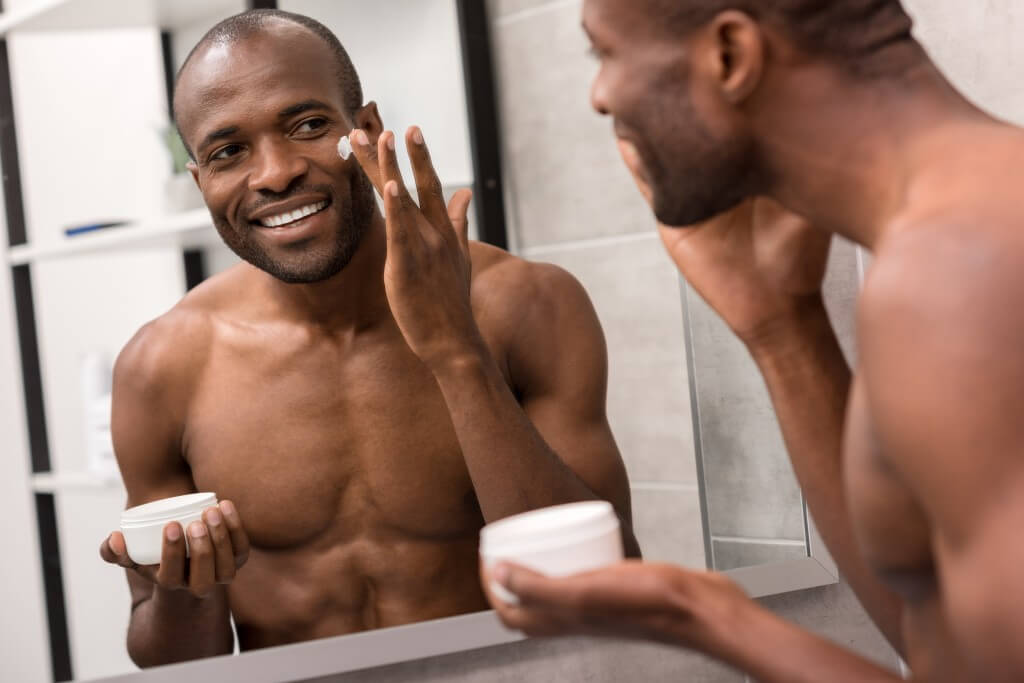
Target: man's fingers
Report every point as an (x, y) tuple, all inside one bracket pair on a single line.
[(531, 588), (201, 577), (458, 214), (171, 572), (239, 539), (112, 549), (428, 186), (366, 154), (389, 169), (223, 554)]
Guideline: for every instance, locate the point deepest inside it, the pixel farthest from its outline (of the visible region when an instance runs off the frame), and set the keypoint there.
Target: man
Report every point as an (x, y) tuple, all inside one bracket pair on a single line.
[(361, 400), (913, 469)]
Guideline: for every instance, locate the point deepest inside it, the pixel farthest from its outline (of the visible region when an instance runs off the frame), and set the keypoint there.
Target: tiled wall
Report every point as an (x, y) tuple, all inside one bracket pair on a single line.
[(754, 508)]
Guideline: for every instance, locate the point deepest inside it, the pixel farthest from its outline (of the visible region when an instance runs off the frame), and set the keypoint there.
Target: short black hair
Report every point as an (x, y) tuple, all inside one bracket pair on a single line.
[(852, 33), (253, 21)]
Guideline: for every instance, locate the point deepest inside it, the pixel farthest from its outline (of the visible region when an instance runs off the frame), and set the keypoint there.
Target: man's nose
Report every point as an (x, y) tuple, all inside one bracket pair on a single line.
[(276, 167), (598, 96)]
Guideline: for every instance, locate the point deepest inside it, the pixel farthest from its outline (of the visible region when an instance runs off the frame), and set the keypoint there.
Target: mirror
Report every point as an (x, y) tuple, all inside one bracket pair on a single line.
[(756, 526), (91, 295)]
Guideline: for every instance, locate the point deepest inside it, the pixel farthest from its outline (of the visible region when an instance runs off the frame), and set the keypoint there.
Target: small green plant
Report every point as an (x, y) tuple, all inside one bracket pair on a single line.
[(176, 147)]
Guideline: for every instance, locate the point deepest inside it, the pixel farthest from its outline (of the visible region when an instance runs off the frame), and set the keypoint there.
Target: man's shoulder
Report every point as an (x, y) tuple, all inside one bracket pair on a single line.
[(955, 271), (502, 280), (533, 311), (174, 346)]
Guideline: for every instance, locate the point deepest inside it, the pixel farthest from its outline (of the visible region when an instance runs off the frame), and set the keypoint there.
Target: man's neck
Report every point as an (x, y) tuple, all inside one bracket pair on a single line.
[(352, 299), (846, 154)]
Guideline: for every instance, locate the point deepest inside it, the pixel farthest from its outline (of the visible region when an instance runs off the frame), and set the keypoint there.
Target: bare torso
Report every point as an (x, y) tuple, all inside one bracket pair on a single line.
[(340, 455), (891, 524)]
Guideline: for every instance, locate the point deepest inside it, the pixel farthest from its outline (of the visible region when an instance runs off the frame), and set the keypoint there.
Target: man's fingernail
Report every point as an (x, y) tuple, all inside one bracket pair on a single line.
[(227, 508), (500, 574), (391, 142), (360, 137), (173, 532), (417, 136), (213, 516), (197, 530), (393, 187)]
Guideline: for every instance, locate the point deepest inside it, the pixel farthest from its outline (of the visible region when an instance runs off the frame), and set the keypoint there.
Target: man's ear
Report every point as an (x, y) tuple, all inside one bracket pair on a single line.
[(368, 120), (736, 55), (194, 170)]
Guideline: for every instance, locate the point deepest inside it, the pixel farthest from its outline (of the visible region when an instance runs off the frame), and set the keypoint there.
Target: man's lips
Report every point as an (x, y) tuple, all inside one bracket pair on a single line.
[(283, 215)]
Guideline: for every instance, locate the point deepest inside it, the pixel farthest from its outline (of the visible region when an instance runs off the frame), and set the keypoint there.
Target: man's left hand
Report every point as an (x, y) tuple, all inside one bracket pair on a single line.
[(428, 271), (632, 599)]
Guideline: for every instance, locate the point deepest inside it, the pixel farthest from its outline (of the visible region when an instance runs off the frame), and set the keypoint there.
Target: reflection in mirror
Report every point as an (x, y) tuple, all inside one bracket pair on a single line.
[(360, 462), (754, 510)]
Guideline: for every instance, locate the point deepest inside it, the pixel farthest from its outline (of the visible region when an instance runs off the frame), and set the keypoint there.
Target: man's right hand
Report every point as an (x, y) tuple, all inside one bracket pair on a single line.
[(757, 265), (218, 546)]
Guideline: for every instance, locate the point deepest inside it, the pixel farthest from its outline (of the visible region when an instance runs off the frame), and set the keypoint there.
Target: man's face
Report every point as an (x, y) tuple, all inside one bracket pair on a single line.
[(695, 165), (263, 116)]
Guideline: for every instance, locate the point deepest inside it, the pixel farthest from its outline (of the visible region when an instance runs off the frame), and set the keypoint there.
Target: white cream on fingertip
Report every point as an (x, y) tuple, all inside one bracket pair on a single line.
[(344, 147)]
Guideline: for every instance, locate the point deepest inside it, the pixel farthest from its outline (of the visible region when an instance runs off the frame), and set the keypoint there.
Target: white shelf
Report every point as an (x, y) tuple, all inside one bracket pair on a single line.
[(189, 229), (50, 482), (69, 15)]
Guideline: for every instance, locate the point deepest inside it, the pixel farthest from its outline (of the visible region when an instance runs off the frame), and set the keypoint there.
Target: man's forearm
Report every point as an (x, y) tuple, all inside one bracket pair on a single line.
[(772, 650), (809, 382), (174, 626), (512, 467)]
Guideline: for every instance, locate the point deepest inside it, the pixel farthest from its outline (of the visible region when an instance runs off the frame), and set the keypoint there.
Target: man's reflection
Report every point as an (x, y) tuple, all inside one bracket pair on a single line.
[(364, 399)]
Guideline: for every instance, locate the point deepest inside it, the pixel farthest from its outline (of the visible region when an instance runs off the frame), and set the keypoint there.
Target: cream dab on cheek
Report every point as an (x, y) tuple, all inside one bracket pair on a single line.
[(344, 148)]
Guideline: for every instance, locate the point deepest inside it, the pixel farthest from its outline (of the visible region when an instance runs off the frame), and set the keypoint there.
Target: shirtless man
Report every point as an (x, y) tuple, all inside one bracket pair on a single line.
[(914, 468), (359, 401)]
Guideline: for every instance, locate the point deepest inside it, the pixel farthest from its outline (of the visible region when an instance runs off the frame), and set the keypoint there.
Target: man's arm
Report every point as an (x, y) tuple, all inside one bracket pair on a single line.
[(761, 268), (703, 611), (427, 278), (809, 383), (551, 442), (941, 351), (172, 619)]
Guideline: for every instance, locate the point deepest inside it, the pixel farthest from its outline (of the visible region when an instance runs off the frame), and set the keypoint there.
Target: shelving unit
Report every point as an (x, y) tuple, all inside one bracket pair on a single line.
[(188, 230), (73, 15)]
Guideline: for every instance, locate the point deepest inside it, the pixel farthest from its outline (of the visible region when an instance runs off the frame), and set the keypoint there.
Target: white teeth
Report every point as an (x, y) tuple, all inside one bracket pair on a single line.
[(292, 216)]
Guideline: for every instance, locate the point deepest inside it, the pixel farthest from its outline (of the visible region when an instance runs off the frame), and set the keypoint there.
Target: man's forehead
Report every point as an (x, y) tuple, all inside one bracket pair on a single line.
[(257, 68)]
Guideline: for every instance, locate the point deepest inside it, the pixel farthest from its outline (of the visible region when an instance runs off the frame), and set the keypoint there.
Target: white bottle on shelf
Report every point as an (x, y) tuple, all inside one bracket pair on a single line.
[(99, 447)]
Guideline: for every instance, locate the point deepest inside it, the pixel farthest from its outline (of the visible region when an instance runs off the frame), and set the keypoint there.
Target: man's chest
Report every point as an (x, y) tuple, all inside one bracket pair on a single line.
[(316, 447)]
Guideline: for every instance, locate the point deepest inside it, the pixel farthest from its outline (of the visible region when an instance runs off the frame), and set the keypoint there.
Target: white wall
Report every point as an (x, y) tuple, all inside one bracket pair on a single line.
[(408, 57), (89, 108)]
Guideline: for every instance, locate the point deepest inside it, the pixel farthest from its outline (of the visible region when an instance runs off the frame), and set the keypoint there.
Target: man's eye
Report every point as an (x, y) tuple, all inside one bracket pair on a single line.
[(310, 125), (225, 152)]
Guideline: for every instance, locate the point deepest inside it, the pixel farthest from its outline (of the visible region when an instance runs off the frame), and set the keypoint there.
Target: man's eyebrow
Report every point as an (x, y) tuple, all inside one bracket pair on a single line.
[(218, 134), (288, 112)]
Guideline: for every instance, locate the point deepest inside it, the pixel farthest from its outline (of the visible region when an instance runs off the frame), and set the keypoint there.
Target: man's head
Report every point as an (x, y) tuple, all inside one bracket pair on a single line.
[(680, 76), (261, 102)]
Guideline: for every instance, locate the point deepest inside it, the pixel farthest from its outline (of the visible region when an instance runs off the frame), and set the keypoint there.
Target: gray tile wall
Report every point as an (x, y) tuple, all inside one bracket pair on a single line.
[(574, 205)]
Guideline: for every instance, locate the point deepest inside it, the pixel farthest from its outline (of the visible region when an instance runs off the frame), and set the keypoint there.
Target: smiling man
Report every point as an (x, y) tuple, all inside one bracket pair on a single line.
[(912, 466), (360, 398)]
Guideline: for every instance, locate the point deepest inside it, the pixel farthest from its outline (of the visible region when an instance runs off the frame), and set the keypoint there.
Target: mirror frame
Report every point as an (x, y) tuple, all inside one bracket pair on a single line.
[(771, 578)]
